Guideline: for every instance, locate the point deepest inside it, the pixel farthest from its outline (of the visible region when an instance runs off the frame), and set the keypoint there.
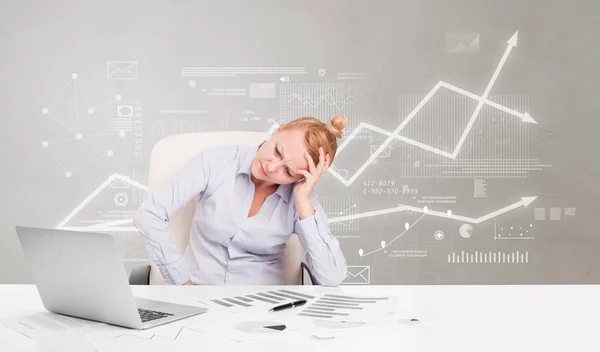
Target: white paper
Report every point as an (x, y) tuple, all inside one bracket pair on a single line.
[(11, 340), (351, 308), (45, 323)]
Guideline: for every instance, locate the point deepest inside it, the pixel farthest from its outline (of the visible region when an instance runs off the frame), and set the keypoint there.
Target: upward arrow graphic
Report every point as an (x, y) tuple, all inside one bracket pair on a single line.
[(482, 100), (512, 42)]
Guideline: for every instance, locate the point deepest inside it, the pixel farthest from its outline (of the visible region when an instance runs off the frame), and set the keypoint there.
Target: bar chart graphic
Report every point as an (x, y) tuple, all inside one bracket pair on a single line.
[(499, 257)]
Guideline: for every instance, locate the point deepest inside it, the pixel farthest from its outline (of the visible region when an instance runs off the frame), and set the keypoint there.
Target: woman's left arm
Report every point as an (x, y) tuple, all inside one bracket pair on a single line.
[(323, 254)]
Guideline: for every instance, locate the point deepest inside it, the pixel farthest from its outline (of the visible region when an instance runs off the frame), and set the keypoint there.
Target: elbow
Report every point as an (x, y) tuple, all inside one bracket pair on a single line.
[(140, 219), (331, 280), (334, 277)]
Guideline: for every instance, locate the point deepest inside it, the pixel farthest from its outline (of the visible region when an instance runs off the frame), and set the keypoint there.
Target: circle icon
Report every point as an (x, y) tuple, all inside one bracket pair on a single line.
[(322, 72), (121, 199), (465, 230), (192, 83), (438, 235)]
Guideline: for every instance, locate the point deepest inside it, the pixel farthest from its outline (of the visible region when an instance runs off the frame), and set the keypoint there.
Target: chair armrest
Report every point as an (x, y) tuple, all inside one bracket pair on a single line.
[(311, 277), (140, 275)]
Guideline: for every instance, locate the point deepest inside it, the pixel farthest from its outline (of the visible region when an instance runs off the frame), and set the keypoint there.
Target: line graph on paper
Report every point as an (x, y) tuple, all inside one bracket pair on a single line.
[(450, 144)]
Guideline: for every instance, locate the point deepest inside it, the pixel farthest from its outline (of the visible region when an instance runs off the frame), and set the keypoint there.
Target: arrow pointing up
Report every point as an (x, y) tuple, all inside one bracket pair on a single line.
[(527, 200), (513, 40)]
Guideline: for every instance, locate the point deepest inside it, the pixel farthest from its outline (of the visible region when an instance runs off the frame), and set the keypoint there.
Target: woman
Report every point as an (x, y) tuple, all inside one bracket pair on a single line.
[(250, 201)]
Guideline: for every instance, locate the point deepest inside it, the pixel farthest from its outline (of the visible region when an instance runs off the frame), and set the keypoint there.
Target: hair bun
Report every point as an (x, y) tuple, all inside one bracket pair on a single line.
[(337, 124)]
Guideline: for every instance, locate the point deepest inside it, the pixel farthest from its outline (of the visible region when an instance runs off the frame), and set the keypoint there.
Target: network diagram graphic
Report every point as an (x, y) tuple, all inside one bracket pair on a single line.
[(96, 117)]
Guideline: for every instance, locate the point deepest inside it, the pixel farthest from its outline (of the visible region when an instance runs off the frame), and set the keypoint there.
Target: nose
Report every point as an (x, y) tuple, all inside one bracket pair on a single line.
[(272, 166)]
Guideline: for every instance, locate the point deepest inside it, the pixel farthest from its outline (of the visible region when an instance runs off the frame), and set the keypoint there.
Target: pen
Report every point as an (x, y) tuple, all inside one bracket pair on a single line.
[(288, 305)]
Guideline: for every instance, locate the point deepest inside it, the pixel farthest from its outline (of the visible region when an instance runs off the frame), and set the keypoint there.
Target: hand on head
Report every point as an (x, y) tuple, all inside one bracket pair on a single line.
[(304, 187)]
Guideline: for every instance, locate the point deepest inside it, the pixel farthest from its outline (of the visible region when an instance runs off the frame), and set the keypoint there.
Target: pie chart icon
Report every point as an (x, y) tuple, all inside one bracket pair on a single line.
[(465, 230)]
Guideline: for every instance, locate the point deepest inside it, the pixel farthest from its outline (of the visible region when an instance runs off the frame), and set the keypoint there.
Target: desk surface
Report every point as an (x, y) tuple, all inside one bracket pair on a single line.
[(454, 317)]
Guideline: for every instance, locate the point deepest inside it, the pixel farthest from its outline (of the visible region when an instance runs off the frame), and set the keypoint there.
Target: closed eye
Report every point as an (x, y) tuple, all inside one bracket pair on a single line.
[(287, 170)]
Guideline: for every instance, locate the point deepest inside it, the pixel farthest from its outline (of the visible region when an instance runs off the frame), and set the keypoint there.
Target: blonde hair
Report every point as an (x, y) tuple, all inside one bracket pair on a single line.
[(319, 134)]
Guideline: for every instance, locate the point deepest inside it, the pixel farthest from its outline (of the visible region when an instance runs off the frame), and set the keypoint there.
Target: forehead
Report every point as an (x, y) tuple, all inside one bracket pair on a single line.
[(292, 143)]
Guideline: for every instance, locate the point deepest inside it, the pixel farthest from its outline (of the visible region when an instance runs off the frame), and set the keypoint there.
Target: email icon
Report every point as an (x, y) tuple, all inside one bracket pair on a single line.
[(125, 111), (385, 153), (357, 275), (118, 183), (122, 69)]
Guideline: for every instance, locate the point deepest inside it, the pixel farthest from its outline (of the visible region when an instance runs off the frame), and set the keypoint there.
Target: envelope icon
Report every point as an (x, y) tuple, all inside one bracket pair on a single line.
[(358, 275), (385, 153), (118, 183), (122, 69), (125, 111)]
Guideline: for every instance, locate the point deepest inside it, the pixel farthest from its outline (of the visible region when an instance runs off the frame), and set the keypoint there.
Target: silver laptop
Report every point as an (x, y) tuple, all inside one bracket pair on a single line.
[(81, 274)]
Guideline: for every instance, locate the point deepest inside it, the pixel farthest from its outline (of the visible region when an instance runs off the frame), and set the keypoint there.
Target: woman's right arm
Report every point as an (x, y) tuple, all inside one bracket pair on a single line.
[(153, 215)]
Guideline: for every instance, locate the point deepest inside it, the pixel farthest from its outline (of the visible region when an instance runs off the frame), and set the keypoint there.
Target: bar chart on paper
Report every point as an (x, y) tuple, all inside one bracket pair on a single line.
[(261, 298), (338, 306), (489, 257)]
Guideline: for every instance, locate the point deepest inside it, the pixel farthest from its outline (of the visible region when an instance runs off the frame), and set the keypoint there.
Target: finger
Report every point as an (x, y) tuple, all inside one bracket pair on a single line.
[(311, 164), (321, 156), (324, 165), (307, 175)]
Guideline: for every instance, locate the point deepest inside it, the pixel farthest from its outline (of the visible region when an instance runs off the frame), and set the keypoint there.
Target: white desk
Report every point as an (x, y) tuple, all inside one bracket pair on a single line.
[(454, 318)]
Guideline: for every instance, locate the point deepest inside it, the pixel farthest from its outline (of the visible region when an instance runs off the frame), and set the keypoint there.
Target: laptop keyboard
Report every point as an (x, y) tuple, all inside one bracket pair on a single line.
[(148, 315)]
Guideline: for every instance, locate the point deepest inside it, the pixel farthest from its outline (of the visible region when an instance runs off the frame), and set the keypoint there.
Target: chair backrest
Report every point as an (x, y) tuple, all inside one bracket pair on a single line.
[(173, 152)]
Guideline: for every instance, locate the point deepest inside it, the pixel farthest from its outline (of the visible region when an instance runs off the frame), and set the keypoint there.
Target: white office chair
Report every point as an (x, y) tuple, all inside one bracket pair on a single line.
[(167, 157)]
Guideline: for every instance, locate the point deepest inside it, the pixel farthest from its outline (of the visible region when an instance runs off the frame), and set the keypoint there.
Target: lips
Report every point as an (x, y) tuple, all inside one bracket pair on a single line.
[(262, 169)]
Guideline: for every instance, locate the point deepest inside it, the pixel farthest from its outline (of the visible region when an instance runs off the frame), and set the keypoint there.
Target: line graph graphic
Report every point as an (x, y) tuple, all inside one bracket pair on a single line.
[(106, 226), (524, 202), (395, 135), (320, 100)]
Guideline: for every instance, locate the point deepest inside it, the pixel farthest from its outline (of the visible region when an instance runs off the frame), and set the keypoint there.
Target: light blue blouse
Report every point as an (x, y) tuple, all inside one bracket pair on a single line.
[(226, 247)]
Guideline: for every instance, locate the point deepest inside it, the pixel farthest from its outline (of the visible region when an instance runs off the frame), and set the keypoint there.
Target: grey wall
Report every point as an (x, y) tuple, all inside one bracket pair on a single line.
[(252, 61)]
